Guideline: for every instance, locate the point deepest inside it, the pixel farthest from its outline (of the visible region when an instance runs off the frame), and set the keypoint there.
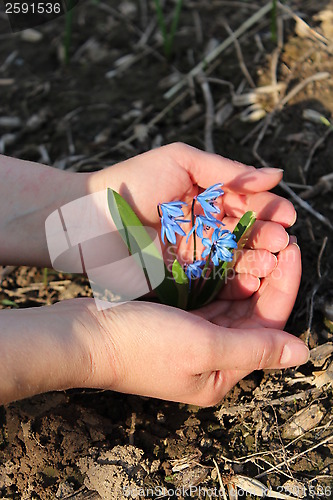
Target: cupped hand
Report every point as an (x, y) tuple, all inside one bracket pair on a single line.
[(196, 357), (180, 172)]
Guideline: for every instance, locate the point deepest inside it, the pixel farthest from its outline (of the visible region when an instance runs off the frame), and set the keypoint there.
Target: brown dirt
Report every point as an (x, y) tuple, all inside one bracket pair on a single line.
[(98, 110)]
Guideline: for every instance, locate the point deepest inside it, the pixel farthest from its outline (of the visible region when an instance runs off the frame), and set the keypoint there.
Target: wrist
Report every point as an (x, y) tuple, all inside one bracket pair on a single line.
[(102, 179), (56, 349), (88, 348), (36, 191), (98, 340)]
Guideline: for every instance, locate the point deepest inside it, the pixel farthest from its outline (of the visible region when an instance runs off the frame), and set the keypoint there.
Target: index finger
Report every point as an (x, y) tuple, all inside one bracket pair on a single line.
[(207, 169), (267, 206)]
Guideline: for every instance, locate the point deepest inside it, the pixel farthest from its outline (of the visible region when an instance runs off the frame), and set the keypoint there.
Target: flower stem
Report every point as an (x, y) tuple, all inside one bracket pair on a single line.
[(199, 283), (194, 235), (204, 271)]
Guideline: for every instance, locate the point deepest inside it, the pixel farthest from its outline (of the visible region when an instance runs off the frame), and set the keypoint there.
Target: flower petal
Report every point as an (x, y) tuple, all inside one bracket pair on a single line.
[(170, 234)]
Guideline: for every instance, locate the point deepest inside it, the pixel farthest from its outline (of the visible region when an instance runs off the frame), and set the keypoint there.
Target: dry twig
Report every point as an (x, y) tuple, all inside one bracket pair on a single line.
[(323, 185), (222, 47), (294, 457), (240, 57), (152, 122), (314, 148), (220, 480), (283, 449), (303, 26), (210, 113)]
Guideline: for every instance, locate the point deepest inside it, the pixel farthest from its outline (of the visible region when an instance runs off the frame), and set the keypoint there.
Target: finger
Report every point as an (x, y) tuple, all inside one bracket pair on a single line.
[(267, 206), (255, 349), (207, 169), (273, 302), (239, 287), (269, 235), (260, 263)]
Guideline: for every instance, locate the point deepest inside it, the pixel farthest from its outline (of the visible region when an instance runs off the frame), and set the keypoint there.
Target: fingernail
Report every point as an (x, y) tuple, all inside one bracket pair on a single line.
[(292, 239), (294, 354), (257, 286), (275, 263), (288, 241), (294, 220), (269, 170)]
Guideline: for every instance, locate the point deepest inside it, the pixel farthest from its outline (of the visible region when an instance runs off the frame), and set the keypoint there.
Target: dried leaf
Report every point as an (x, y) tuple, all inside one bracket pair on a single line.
[(295, 488), (324, 377), (255, 487), (302, 421), (320, 354)]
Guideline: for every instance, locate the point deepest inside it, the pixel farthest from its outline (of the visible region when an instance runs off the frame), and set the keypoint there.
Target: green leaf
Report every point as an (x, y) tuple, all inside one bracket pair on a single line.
[(139, 241), (7, 302), (244, 228), (178, 273), (182, 284), (213, 284)]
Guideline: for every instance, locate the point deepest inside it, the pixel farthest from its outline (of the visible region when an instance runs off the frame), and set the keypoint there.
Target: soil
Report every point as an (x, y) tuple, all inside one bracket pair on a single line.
[(106, 104)]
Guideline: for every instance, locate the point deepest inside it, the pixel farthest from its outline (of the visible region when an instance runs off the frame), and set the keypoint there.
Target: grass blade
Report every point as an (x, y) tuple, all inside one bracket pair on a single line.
[(137, 240)]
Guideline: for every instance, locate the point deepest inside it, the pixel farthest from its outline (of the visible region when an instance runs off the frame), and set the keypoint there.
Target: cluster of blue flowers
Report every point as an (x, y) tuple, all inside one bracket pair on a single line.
[(219, 248)]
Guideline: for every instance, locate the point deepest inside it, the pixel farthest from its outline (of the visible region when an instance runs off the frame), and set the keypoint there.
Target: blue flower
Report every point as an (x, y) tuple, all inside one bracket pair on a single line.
[(207, 198), (172, 209), (202, 223), (194, 270), (220, 246), (169, 222)]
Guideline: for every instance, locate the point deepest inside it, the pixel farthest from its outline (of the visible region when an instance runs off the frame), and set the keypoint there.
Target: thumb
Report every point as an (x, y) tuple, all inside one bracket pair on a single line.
[(255, 349)]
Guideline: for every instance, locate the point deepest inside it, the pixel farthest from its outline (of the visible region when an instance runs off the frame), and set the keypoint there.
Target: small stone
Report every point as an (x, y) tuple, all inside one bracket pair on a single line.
[(10, 122), (128, 9), (206, 442), (64, 490), (31, 35), (160, 417)]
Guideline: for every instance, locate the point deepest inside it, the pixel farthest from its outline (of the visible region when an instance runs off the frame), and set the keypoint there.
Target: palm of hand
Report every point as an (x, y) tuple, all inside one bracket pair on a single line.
[(268, 307)]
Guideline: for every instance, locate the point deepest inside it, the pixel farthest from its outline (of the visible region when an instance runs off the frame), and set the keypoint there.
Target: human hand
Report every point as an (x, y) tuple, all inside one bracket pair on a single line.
[(180, 172), (160, 351), (152, 349)]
